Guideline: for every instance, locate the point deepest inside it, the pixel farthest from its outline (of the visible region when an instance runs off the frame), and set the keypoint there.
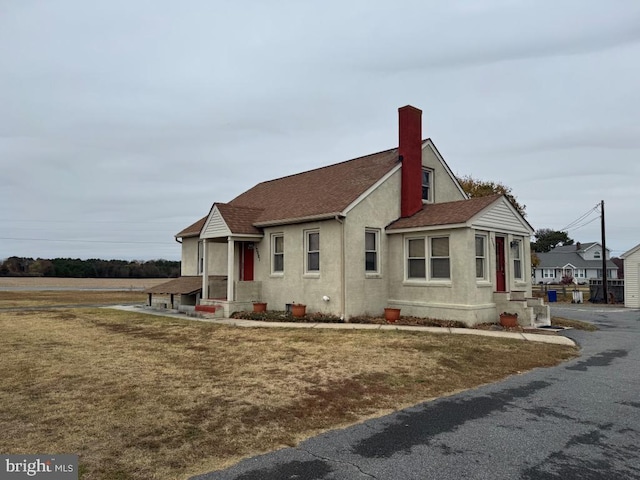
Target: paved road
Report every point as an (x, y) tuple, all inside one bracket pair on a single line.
[(580, 420)]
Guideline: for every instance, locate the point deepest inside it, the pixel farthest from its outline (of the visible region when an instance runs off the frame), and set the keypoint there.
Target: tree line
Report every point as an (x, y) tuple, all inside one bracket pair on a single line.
[(91, 268)]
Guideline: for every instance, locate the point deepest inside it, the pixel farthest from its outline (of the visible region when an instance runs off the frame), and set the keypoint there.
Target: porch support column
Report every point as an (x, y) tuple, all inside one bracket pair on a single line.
[(230, 268), (205, 270)]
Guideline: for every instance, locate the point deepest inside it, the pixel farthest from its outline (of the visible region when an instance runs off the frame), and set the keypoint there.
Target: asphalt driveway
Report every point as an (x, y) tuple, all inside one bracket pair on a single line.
[(579, 420)]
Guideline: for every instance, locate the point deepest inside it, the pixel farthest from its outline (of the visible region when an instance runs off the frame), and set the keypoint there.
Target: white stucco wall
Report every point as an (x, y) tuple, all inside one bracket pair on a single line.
[(217, 257), (445, 190)]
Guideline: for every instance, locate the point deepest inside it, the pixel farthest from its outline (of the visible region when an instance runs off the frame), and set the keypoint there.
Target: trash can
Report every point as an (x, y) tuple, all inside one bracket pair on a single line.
[(552, 295), (577, 296)]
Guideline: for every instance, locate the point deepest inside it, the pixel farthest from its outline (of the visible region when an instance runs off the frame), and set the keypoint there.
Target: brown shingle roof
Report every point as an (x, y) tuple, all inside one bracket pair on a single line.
[(186, 285), (192, 230), (323, 191), (239, 219), (448, 213)]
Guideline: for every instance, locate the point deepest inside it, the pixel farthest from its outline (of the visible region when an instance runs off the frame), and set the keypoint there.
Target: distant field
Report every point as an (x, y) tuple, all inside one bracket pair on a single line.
[(79, 283)]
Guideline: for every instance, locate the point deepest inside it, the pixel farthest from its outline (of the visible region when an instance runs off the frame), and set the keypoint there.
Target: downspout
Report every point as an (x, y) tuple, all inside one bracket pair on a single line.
[(343, 287), (176, 239)]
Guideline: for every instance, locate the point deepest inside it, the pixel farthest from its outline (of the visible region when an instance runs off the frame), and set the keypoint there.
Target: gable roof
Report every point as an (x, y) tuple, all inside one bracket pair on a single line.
[(579, 247), (319, 193), (192, 230), (559, 259), (447, 213), (630, 252)]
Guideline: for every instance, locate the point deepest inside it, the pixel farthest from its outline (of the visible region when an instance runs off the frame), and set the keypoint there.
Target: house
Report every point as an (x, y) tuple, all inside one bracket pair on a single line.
[(393, 228), (582, 262), (632, 277)]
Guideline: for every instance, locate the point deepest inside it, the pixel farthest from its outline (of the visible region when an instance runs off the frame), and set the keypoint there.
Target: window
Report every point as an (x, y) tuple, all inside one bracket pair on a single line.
[(596, 254), (548, 273), (516, 249), (480, 256), (427, 176), (440, 257), (200, 258), (416, 262), (371, 238), (312, 248), (277, 247)]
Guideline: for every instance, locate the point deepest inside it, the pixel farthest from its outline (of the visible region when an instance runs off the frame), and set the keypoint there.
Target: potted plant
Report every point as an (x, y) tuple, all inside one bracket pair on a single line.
[(509, 320), (298, 310), (259, 306), (391, 315)]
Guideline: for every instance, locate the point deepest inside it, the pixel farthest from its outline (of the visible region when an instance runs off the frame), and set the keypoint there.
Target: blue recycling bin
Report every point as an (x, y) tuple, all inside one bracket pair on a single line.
[(552, 295)]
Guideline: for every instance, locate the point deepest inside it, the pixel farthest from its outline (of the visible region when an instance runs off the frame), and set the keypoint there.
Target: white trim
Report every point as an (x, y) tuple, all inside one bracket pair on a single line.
[(306, 234), (376, 232), (289, 221), (274, 272)]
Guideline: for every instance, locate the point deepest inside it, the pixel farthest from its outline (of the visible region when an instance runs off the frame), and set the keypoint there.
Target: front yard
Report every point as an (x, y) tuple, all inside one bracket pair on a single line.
[(140, 397)]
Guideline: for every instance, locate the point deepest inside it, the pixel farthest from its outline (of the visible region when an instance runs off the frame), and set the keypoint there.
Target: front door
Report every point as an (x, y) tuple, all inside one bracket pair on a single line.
[(246, 262), (501, 276)]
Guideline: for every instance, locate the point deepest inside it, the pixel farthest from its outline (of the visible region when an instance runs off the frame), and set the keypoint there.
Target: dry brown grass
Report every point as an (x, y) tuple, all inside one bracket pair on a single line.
[(577, 324), (81, 283), (14, 299), (140, 397)]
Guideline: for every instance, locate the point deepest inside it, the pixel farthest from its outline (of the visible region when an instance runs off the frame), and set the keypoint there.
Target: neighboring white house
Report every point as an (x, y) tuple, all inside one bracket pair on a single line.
[(392, 228), (582, 262), (632, 277)]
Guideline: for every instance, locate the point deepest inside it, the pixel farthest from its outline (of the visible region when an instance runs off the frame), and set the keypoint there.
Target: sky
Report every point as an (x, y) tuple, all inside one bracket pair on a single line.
[(121, 122)]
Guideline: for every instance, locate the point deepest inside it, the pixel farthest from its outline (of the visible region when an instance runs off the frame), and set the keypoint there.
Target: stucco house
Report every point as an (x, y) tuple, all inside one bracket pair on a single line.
[(582, 262), (632, 277), (393, 228)]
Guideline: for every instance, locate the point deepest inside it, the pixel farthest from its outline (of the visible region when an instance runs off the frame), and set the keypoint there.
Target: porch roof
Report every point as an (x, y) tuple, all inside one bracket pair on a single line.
[(180, 285)]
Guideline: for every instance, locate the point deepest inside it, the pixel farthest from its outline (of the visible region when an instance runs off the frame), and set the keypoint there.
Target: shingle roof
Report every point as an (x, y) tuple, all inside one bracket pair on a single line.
[(323, 191), (185, 285), (447, 213), (192, 230), (558, 259), (240, 220)]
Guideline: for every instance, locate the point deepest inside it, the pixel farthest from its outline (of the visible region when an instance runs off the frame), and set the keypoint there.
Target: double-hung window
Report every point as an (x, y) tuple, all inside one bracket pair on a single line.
[(277, 247), (517, 260), (427, 190), (440, 262), (481, 257), (416, 261), (312, 251), (371, 247)]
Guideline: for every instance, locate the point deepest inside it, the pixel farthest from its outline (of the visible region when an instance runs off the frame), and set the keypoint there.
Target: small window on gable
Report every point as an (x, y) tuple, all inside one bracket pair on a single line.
[(371, 247), (427, 185), (596, 254)]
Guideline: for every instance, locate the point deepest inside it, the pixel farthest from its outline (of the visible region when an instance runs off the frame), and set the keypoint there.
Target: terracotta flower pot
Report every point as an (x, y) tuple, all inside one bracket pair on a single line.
[(259, 306), (391, 315), (298, 310), (508, 320)]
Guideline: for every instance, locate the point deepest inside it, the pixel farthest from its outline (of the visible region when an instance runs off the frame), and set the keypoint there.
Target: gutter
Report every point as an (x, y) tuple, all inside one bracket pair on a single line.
[(343, 287)]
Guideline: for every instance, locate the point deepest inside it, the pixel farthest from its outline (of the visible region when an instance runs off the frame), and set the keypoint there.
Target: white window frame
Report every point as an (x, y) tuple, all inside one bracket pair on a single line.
[(408, 259), (548, 273), (428, 185), (200, 254), (376, 251), (432, 257), (483, 257), (274, 253), (308, 252), (516, 255), (427, 258)]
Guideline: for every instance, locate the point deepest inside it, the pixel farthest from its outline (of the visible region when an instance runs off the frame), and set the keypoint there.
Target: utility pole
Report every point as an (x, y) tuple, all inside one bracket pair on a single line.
[(604, 255)]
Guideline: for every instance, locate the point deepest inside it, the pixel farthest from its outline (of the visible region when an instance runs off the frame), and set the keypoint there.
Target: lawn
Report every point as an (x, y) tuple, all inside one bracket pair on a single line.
[(142, 397), (46, 298)]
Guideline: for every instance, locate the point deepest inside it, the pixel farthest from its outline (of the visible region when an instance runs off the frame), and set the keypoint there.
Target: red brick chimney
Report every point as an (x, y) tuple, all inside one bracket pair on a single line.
[(410, 150)]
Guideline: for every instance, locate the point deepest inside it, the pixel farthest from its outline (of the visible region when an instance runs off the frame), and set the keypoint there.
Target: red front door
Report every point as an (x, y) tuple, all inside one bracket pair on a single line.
[(246, 262), (501, 277)]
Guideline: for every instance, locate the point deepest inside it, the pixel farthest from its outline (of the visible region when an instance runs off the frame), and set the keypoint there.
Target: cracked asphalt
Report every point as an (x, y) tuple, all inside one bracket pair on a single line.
[(579, 420)]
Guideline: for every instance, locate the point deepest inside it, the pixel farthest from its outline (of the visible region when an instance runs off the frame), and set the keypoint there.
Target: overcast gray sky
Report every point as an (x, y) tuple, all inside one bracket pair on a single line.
[(122, 121)]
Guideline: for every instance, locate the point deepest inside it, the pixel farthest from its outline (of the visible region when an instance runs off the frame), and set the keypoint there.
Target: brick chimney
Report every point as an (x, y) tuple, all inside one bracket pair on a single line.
[(410, 151)]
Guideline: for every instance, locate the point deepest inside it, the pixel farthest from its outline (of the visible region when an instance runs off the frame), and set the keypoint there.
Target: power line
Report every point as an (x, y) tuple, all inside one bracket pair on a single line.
[(82, 241), (580, 218)]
